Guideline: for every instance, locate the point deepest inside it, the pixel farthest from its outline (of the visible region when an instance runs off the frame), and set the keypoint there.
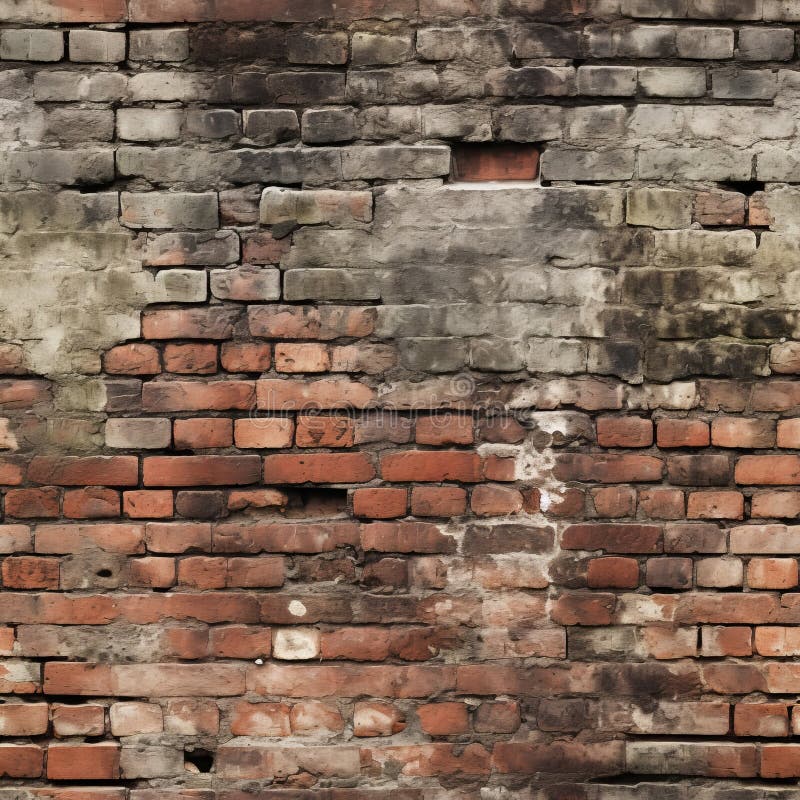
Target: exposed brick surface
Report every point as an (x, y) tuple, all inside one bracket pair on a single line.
[(398, 399)]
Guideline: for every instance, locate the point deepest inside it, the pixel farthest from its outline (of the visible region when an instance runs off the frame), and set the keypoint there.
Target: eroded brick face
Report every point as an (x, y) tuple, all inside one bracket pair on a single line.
[(398, 399)]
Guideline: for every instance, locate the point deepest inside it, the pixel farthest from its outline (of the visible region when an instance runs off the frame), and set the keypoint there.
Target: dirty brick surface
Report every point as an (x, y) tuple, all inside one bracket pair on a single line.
[(399, 399)]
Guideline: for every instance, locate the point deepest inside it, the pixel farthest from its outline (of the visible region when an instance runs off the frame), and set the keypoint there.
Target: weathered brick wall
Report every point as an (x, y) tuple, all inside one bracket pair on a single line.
[(327, 476)]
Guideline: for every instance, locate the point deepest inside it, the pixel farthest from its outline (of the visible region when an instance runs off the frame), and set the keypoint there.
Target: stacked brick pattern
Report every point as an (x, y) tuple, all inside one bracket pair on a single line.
[(327, 476)]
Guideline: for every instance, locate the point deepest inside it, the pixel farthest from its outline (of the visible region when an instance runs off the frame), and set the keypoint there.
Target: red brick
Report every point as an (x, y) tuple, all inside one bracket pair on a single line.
[(147, 504), (768, 470), (261, 248), (661, 503), (490, 500), (178, 537), (743, 433), (93, 503), (302, 357), (241, 499), (241, 641), (432, 465), (583, 609), (775, 504), (624, 432), (324, 431), (499, 717), (443, 719), (202, 433), (69, 762), (24, 719), (607, 468), (562, 503), (123, 538), (496, 162), (85, 471), (88, 720), (198, 396), (132, 359), (191, 718), (30, 572), (201, 470), (444, 429), (715, 505), (780, 761), (719, 208), (438, 501), (280, 394), (263, 432), (376, 718), (12, 472), (315, 718), (191, 359), (784, 358), (758, 213), (614, 501), (613, 537), (21, 760), (309, 322), (761, 719), (158, 573), (246, 356), (318, 468), (683, 433), (260, 719), (209, 322), (380, 503), (772, 573), (33, 503), (613, 573), (22, 394), (789, 433), (728, 640), (405, 537)]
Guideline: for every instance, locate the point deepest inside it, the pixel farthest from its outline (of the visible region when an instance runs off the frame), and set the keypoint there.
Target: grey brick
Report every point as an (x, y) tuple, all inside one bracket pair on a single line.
[(672, 81), (456, 122), (30, 44), (496, 355), (564, 356), (169, 210), (67, 167), (330, 284), (567, 164), (435, 355), (213, 123), (306, 87), (394, 161), (530, 123), (149, 433), (159, 44), (192, 249), (765, 44), (75, 125), (607, 81), (632, 41), (659, 208), (322, 125), (270, 126), (312, 207), (65, 87), (316, 48), (744, 84), (96, 46), (149, 124), (375, 48), (704, 43), (546, 41)]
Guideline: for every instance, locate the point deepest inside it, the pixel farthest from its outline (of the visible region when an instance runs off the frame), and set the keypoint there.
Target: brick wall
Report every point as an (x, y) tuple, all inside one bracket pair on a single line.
[(398, 399)]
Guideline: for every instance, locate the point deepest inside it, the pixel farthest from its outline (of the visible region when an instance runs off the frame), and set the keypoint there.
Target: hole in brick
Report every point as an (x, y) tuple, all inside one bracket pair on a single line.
[(104, 573), (744, 187), (198, 760), (495, 162), (316, 502)]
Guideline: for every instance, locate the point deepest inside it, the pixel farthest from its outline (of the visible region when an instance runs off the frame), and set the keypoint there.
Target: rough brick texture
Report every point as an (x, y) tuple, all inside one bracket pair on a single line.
[(399, 399)]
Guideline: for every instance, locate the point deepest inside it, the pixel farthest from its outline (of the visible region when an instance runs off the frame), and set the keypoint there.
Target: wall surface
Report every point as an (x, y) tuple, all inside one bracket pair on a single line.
[(337, 466)]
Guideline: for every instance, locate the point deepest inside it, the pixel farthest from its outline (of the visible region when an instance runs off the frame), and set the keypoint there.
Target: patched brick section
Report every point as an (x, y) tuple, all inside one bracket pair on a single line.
[(398, 399)]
